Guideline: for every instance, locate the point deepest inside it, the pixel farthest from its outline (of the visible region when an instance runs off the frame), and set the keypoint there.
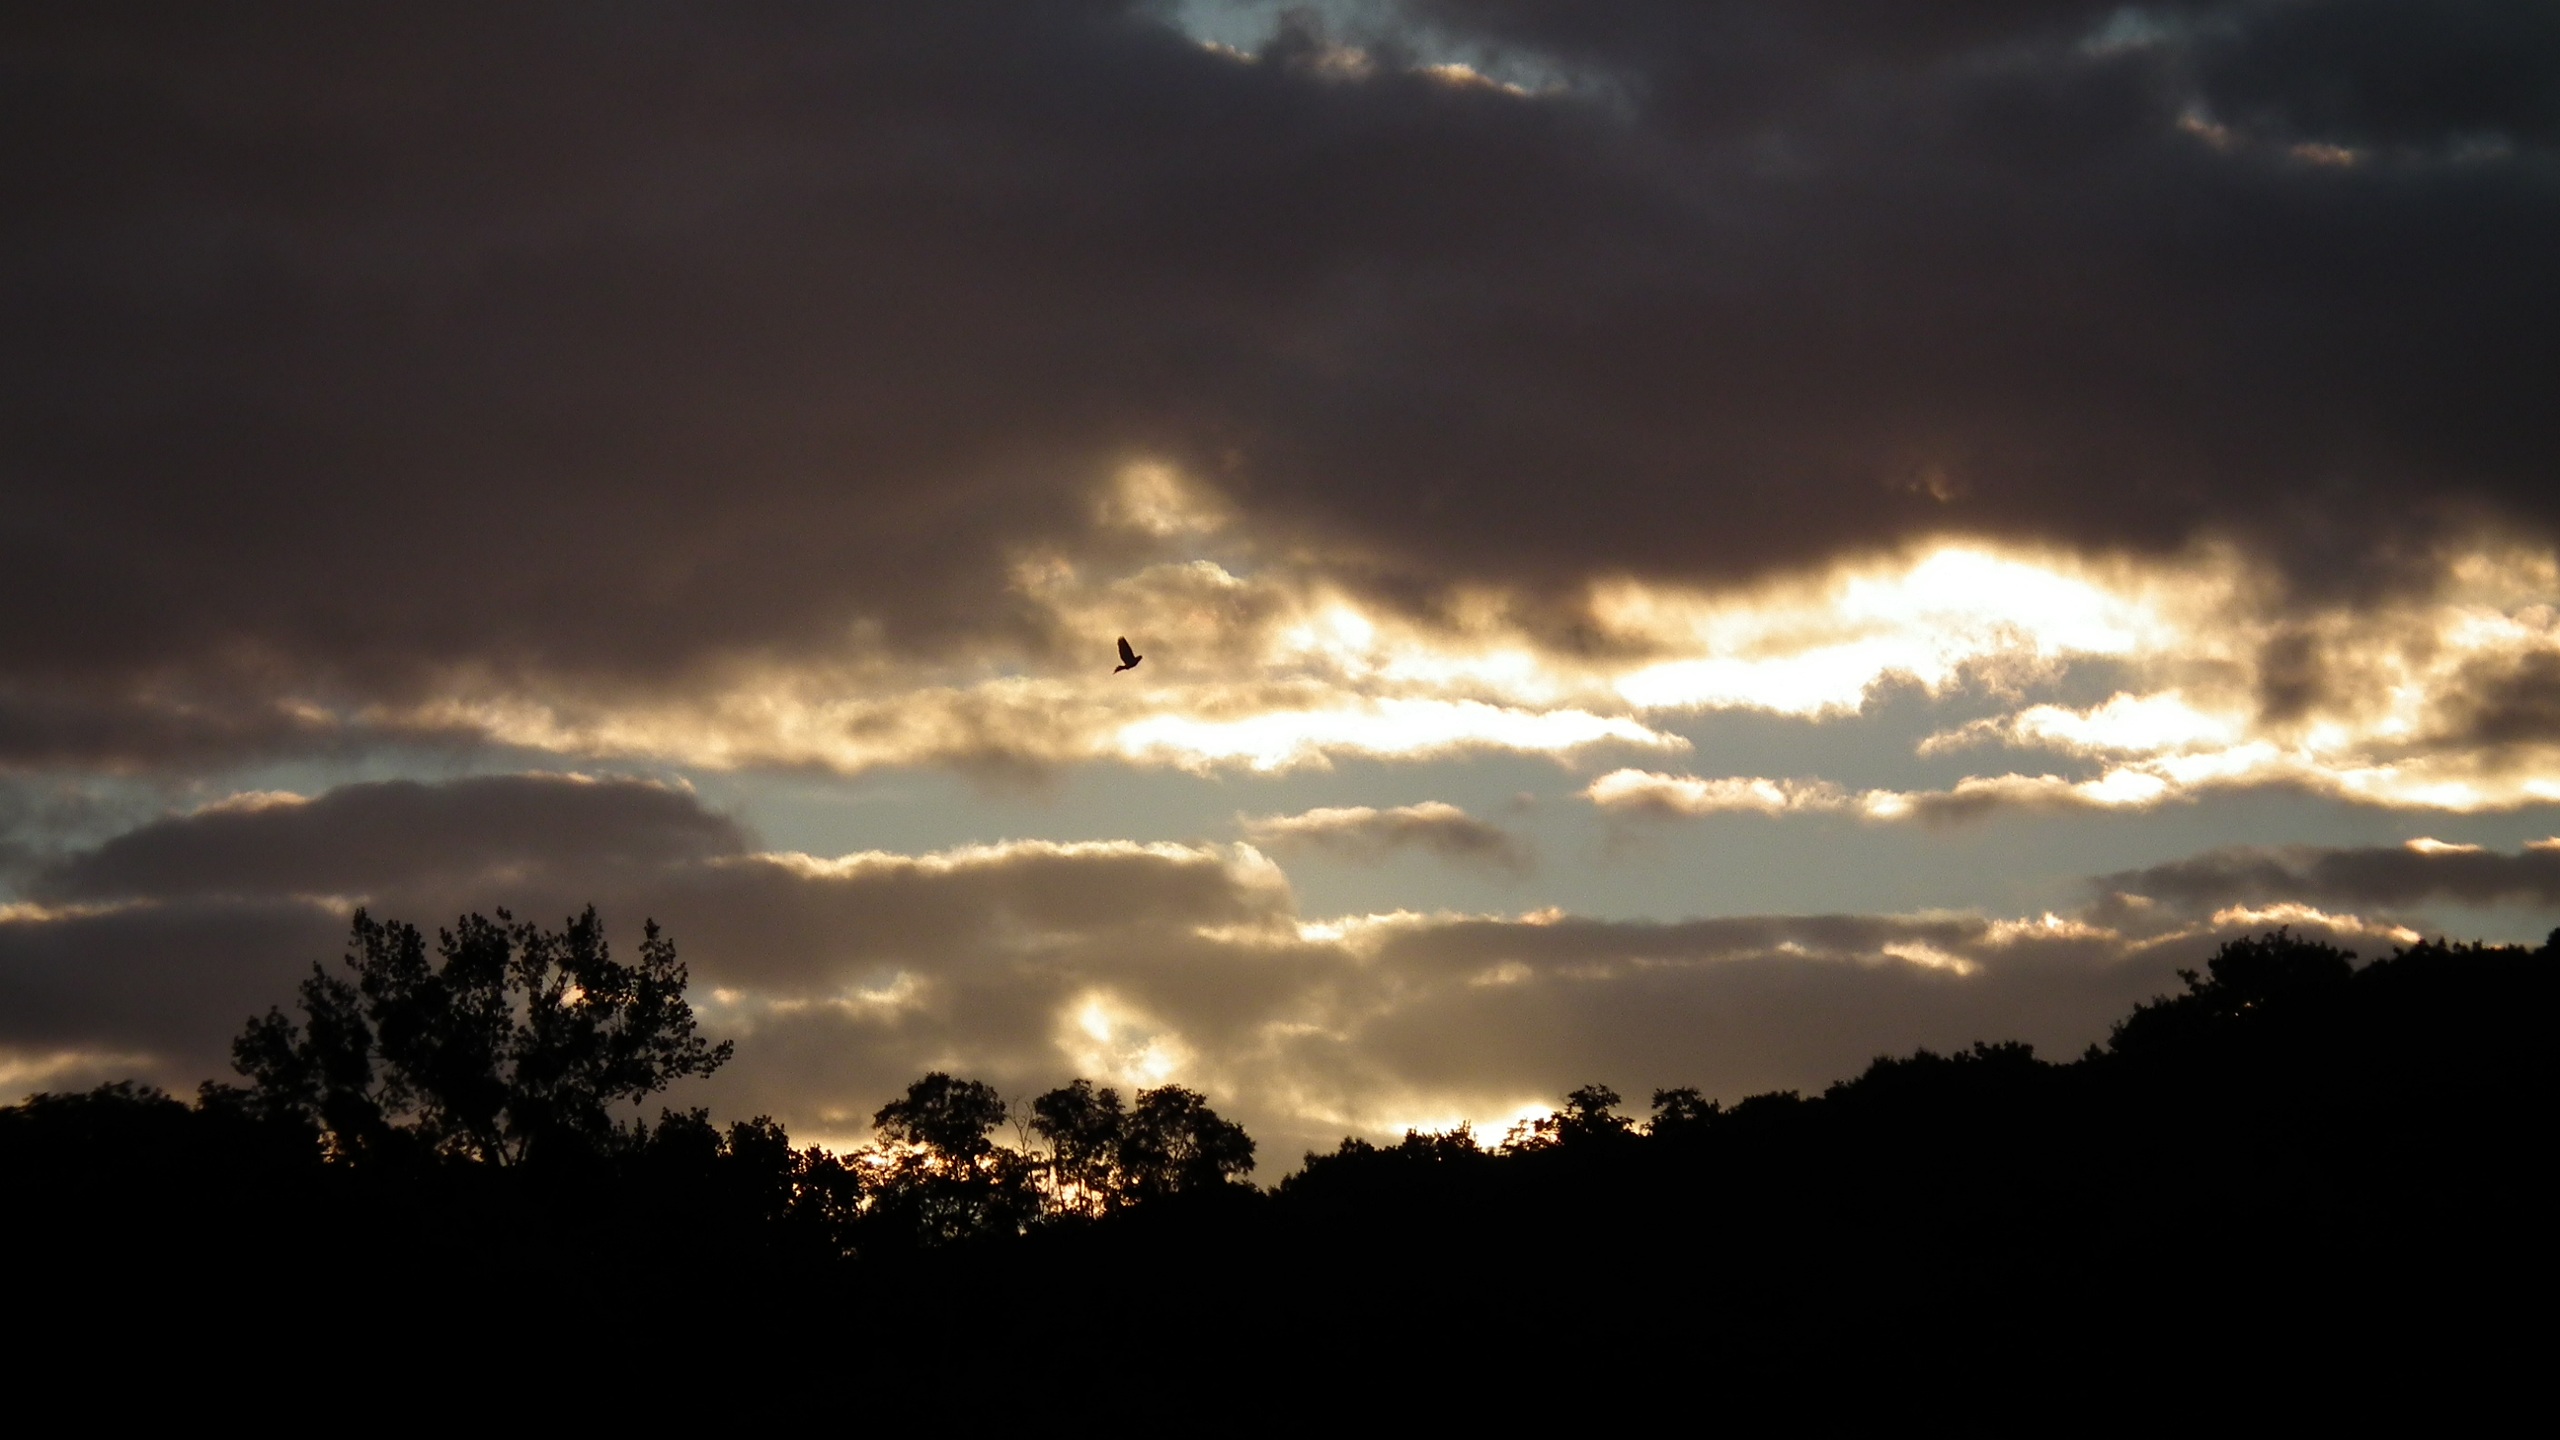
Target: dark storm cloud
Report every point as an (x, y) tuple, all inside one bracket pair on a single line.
[(2381, 73), (344, 349), (363, 839), (2370, 876), (2357, 71), (170, 982), (48, 722), (2506, 700)]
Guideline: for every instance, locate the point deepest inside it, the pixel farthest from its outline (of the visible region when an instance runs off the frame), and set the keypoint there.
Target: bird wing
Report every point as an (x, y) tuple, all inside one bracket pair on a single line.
[(1127, 655)]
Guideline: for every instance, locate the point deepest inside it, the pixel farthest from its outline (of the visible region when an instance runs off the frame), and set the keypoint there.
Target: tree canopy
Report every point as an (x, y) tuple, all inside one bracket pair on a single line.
[(515, 1042)]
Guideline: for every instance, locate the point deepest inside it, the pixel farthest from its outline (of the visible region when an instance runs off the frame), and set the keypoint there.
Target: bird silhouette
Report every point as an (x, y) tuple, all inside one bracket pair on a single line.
[(1128, 658)]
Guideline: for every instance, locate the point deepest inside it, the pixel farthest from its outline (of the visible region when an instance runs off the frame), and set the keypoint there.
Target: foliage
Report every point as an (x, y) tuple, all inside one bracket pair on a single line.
[(1681, 1111), (945, 1179), (1588, 1117), (942, 1178), (2249, 978), (951, 1121), (1083, 1127), (517, 1042), (1173, 1143)]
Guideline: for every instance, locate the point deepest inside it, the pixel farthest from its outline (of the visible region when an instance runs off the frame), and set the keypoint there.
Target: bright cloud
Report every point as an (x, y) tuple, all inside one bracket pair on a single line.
[(1647, 792), (1391, 727), (1818, 645), (1689, 795), (2443, 699)]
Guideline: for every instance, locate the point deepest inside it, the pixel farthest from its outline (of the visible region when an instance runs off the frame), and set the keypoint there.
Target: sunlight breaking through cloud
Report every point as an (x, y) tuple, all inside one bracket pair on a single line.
[(1146, 963), (2429, 698), (1818, 645)]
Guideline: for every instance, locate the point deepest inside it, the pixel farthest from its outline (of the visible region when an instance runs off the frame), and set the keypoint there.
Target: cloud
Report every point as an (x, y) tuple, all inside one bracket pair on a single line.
[(2419, 703), (2376, 78), (2502, 700), (168, 981), (360, 839), (581, 384), (2432, 700), (2390, 877), (1647, 792), (1363, 832), (1030, 962)]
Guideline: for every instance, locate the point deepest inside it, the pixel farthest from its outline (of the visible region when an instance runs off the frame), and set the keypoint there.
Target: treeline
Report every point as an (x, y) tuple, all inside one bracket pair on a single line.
[(496, 1077), (2293, 1145)]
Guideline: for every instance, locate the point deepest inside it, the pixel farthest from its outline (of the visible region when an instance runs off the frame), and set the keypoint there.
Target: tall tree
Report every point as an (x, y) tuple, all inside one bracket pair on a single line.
[(515, 1042), (952, 1121), (1083, 1127), (947, 1180), (1173, 1142)]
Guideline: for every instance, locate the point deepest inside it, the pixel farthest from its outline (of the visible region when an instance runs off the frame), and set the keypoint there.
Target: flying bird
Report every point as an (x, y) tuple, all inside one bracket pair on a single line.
[(1128, 658)]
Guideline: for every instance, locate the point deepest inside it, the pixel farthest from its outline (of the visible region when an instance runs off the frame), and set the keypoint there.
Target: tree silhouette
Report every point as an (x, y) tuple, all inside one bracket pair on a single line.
[(518, 1045), (1083, 1128), (1589, 1116), (954, 1121), (946, 1179), (2277, 974), (746, 1189), (1681, 1112), (1173, 1143)]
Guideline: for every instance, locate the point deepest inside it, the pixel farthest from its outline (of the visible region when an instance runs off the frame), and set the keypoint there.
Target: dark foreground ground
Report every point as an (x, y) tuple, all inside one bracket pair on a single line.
[(2297, 1175)]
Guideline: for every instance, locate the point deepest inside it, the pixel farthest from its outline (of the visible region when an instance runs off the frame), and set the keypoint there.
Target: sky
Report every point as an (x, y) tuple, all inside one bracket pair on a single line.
[(1675, 542)]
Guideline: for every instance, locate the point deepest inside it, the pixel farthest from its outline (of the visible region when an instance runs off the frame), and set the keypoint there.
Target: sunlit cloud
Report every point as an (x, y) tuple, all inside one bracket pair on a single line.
[(2443, 697), (1819, 644), (1158, 501), (27, 912), (2440, 700), (2124, 724), (1928, 957), (1398, 728), (26, 1071), (1467, 77), (1646, 792), (2309, 917), (1104, 1038)]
